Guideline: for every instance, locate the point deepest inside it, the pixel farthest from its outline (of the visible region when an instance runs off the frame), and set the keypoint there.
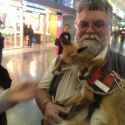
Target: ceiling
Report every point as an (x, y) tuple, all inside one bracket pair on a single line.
[(118, 7), (118, 4)]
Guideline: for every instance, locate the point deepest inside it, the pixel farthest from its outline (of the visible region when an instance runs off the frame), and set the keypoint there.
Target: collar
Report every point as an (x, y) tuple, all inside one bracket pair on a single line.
[(102, 55), (100, 80)]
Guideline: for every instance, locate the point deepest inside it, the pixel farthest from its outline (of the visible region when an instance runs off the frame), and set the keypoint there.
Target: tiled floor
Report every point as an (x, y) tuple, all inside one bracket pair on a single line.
[(30, 65)]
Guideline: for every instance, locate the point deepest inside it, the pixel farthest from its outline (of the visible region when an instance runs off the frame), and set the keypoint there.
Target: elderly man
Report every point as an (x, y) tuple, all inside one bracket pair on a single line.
[(86, 91)]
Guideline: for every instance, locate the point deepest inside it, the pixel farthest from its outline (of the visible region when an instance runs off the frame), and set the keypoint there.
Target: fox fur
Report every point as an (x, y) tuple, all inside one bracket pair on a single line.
[(112, 107)]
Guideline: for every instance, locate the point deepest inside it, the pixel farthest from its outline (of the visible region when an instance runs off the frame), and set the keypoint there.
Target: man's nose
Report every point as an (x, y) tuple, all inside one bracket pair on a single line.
[(90, 28)]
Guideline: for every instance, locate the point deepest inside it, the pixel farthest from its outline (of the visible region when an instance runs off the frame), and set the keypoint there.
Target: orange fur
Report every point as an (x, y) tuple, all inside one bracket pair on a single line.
[(113, 105)]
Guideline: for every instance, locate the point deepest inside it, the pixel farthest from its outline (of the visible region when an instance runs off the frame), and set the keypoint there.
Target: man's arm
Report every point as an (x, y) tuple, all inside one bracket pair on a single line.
[(46, 104), (42, 98), (50, 110)]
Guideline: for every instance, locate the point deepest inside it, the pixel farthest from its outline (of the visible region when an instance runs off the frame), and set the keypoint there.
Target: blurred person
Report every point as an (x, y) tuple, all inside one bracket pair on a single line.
[(25, 32), (5, 80), (1, 46), (30, 34), (5, 83), (85, 91), (64, 35)]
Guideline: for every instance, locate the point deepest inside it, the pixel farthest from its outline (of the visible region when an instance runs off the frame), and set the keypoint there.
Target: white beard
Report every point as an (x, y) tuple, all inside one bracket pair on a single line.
[(95, 46)]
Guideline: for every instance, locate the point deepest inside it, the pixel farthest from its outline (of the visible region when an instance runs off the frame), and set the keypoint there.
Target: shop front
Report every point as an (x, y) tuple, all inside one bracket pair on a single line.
[(10, 23), (16, 16), (59, 12), (34, 16), (55, 25), (45, 22)]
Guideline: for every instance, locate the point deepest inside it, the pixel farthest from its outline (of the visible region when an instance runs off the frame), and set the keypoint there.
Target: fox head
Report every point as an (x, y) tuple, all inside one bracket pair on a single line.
[(75, 54)]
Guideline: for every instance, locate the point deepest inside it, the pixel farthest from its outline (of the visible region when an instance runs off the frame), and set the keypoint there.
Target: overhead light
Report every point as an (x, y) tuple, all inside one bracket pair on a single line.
[(116, 10)]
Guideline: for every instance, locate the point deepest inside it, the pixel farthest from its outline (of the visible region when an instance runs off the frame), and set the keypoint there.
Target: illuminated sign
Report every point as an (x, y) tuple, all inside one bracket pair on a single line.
[(68, 3), (122, 23)]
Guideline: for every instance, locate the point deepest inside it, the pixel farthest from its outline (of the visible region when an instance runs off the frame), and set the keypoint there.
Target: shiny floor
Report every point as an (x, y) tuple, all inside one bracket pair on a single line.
[(27, 66)]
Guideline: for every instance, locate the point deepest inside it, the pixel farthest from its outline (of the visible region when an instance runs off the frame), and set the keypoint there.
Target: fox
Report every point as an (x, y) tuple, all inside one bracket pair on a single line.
[(111, 110)]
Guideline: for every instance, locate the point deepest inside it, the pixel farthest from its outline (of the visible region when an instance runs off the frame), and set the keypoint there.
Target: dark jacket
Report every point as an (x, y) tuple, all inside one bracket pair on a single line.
[(5, 83), (116, 62), (64, 38), (1, 42)]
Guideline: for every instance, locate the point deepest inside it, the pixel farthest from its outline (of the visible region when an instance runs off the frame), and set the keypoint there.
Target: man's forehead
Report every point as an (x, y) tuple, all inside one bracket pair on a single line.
[(94, 5), (92, 14)]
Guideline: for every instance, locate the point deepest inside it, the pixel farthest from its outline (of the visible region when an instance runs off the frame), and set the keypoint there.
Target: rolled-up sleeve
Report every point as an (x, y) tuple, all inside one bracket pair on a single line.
[(45, 82), (5, 102)]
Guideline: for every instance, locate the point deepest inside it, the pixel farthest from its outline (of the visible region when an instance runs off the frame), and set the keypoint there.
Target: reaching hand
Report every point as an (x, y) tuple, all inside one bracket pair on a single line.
[(23, 92), (52, 112)]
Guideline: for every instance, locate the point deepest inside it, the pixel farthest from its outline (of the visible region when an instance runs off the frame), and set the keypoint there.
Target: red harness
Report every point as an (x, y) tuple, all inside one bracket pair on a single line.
[(101, 81)]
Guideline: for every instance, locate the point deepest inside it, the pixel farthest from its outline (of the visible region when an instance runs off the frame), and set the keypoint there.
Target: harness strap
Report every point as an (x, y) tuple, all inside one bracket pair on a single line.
[(100, 80)]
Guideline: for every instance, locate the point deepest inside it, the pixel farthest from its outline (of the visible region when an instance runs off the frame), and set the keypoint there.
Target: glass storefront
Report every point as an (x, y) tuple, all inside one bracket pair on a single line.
[(59, 25), (14, 16), (68, 3), (10, 24), (52, 25), (44, 21), (13, 19), (37, 22), (55, 26)]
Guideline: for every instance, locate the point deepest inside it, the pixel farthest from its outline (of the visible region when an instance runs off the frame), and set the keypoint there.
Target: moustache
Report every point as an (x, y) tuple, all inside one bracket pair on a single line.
[(89, 37)]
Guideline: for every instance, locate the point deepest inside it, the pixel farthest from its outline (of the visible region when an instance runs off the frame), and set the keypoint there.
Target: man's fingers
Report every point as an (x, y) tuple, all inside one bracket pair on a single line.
[(64, 109), (57, 118), (53, 118)]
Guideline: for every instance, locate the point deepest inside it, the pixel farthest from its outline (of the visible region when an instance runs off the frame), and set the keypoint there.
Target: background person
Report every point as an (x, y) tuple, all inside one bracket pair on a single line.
[(25, 33), (30, 34), (5, 83), (5, 80), (1, 46), (64, 35)]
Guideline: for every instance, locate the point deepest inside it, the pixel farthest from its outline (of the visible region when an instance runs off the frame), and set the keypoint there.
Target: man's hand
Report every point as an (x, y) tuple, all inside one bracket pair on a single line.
[(23, 92), (52, 112)]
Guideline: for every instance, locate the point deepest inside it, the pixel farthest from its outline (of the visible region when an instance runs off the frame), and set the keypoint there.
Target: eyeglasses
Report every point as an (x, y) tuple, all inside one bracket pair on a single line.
[(97, 24)]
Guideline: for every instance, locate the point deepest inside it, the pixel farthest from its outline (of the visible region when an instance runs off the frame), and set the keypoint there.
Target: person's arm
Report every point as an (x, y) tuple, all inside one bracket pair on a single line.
[(47, 105), (14, 95), (51, 111), (42, 99), (43, 96), (5, 101)]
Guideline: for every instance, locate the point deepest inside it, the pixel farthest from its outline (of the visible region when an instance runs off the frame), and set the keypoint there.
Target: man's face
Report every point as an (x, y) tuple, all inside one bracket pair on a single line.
[(66, 28), (93, 28)]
